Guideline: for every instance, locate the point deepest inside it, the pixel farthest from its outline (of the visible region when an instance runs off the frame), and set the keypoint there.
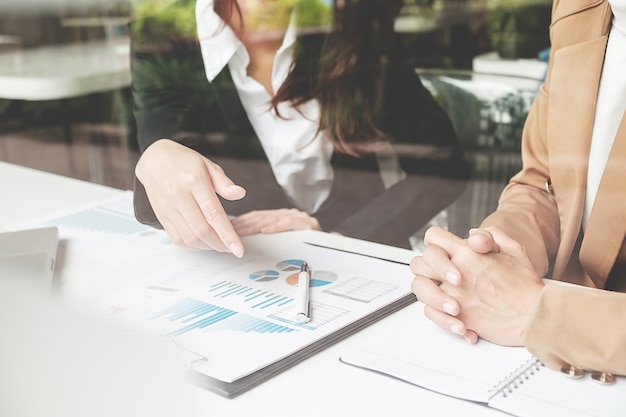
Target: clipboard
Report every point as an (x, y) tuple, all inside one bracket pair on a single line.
[(233, 318)]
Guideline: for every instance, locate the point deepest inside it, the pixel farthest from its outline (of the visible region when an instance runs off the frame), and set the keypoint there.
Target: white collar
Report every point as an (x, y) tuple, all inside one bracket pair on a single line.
[(218, 41), (618, 8)]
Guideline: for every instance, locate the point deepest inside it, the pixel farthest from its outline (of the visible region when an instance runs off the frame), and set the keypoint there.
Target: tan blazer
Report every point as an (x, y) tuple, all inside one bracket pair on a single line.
[(542, 207)]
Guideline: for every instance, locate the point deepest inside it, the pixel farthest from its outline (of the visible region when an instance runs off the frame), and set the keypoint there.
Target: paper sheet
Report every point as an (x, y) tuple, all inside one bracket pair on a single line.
[(106, 230), (239, 314)]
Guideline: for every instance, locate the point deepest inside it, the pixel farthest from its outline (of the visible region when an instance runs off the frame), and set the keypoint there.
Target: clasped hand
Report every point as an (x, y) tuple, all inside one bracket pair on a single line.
[(483, 286)]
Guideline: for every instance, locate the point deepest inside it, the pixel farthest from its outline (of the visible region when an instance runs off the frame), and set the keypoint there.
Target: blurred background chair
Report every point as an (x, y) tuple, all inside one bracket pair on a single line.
[(488, 112)]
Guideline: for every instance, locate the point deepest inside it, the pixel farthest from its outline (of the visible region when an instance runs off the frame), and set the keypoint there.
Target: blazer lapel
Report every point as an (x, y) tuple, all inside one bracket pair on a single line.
[(573, 91), (607, 222), (229, 102)]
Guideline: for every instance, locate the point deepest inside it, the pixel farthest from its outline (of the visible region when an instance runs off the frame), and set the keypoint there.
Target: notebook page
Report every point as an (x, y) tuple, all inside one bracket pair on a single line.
[(423, 354), (550, 393)]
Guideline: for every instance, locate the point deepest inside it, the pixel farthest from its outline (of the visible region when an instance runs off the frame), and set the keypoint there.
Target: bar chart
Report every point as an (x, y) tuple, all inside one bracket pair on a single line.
[(253, 297), (192, 314)]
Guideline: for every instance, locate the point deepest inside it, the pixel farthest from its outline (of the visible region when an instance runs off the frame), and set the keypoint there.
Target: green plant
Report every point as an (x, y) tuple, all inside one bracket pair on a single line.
[(161, 19), (519, 30), (314, 13)]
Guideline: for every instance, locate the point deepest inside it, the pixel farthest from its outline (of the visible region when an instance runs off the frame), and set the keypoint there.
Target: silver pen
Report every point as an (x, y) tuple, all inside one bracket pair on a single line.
[(303, 309)]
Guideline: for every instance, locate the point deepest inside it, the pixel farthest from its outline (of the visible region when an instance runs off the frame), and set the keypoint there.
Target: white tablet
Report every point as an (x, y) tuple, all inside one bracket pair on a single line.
[(29, 254)]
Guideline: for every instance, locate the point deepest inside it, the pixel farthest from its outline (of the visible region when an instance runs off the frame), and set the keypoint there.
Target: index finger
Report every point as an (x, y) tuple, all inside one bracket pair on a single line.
[(446, 240), (440, 245), (215, 216)]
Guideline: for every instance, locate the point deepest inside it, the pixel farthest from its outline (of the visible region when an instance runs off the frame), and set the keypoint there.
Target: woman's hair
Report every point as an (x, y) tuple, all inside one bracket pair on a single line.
[(344, 73)]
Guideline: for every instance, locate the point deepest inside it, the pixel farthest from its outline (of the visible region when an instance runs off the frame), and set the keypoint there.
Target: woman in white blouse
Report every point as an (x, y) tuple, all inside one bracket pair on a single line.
[(307, 99)]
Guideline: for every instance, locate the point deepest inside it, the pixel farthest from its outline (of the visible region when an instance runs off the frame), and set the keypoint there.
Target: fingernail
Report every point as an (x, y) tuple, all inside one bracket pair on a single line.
[(469, 340), (452, 277), (456, 329), (449, 308), (236, 250), (238, 188)]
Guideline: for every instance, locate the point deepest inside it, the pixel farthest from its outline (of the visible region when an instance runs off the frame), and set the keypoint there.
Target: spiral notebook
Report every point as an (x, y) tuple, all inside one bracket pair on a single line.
[(509, 379)]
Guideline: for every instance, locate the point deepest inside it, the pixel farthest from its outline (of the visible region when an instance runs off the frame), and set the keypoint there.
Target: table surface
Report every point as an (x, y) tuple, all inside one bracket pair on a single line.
[(318, 386), (65, 71), (492, 63)]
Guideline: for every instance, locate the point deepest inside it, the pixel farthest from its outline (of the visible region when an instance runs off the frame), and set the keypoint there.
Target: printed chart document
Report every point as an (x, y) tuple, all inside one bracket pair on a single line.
[(106, 230), (234, 320), (506, 378)]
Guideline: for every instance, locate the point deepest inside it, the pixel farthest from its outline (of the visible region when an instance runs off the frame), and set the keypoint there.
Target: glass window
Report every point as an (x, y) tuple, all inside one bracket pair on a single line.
[(374, 118)]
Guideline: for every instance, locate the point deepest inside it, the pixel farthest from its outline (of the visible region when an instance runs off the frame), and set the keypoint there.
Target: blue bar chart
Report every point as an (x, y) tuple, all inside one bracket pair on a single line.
[(194, 314), (257, 298), (101, 220)]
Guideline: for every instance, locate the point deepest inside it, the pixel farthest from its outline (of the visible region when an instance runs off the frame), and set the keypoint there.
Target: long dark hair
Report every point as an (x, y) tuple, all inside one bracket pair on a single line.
[(344, 72)]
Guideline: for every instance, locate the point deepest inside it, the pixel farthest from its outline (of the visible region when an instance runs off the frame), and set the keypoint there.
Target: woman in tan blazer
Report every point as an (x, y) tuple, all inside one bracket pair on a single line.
[(563, 216)]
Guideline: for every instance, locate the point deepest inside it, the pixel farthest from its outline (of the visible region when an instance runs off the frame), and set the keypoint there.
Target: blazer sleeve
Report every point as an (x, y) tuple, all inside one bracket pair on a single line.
[(570, 325), (579, 326), (526, 210), (171, 95)]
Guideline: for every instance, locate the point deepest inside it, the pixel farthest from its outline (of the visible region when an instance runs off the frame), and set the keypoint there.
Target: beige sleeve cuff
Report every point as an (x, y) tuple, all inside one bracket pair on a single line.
[(579, 326)]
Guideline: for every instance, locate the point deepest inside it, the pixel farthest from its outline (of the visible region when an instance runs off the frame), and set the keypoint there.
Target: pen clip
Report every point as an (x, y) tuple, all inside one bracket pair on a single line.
[(304, 303)]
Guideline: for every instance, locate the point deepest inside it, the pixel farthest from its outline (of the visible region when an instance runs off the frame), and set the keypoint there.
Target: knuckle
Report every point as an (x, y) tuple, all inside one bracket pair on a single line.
[(287, 222), (416, 287), (181, 183), (216, 167), (428, 235), (194, 242), (177, 240), (202, 231), (415, 263), (212, 214), (432, 232)]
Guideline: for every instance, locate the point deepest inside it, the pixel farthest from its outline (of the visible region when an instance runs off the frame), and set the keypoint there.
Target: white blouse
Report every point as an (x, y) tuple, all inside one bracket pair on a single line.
[(300, 158), (610, 106)]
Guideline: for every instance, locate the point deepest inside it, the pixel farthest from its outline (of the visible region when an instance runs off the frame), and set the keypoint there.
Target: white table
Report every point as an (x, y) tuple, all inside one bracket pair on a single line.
[(8, 42), (491, 63), (318, 386), (113, 25), (62, 72), (65, 71)]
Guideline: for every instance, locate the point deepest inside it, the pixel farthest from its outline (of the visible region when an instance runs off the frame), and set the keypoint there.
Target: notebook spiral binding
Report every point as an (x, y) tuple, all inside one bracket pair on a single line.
[(510, 383)]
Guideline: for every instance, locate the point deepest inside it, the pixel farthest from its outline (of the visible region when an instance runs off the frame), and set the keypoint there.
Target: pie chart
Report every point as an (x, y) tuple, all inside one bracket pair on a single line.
[(265, 275), (318, 279), (321, 278), (289, 265)]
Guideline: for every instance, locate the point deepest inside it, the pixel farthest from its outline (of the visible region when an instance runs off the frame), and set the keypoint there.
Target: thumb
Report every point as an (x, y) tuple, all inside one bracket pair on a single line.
[(482, 241), (222, 184)]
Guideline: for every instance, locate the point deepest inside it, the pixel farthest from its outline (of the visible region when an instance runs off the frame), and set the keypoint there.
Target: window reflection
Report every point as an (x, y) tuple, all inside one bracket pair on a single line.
[(400, 153)]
